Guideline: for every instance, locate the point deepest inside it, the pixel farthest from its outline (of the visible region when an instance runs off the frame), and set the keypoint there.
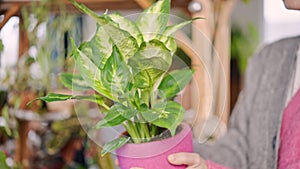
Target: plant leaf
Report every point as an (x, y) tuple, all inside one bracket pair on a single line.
[(93, 98), (53, 97), (116, 115), (171, 45), (115, 74), (174, 82), (154, 51), (128, 25), (73, 82), (115, 144), (90, 72), (166, 115), (146, 78), (173, 28), (87, 11), (99, 48), (5, 115), (126, 44), (3, 164), (154, 19), (152, 59)]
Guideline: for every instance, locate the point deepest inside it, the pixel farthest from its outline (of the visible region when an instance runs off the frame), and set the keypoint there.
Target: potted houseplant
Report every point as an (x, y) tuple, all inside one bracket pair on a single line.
[(127, 62)]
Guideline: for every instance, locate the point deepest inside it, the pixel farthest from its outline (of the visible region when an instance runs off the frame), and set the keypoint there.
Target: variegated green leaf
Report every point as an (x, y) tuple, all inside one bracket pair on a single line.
[(53, 97), (74, 82), (126, 43), (171, 45), (173, 28), (115, 74), (87, 11), (152, 60), (128, 25), (90, 72), (115, 144), (99, 48), (146, 78), (154, 19), (174, 82), (116, 115), (166, 115), (110, 34)]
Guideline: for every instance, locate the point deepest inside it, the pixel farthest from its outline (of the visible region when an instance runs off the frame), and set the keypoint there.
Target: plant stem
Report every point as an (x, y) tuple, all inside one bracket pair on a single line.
[(153, 131), (105, 106), (145, 130), (133, 132), (138, 127)]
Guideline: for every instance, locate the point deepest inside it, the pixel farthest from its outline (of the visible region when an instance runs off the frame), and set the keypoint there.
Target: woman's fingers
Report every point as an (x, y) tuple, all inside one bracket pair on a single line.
[(185, 158), (192, 160)]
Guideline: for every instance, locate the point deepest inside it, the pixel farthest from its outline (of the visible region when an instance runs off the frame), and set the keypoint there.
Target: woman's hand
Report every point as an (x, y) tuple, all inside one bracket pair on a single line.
[(192, 160)]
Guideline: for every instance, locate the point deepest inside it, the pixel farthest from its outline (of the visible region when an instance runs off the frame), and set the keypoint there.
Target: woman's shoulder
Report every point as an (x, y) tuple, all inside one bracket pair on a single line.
[(279, 49), (284, 44)]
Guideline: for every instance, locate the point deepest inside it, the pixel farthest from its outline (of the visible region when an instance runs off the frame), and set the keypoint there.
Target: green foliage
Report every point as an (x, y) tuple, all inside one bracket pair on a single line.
[(128, 62), (1, 46), (3, 164), (116, 143), (174, 82), (243, 44), (50, 47), (5, 115), (116, 115), (73, 82), (246, 1), (154, 20), (167, 114)]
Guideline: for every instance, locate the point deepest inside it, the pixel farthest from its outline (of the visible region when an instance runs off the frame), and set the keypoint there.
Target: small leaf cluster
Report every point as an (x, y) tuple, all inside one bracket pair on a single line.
[(128, 63)]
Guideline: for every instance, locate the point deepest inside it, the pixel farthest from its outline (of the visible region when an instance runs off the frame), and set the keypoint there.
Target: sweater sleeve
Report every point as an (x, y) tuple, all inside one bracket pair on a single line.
[(231, 150)]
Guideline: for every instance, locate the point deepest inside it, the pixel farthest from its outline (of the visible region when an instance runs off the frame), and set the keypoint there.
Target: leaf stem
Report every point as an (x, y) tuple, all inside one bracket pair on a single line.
[(133, 132), (153, 131)]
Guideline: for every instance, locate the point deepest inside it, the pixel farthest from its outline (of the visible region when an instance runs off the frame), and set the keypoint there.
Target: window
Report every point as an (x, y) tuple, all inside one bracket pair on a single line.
[(10, 38), (279, 21)]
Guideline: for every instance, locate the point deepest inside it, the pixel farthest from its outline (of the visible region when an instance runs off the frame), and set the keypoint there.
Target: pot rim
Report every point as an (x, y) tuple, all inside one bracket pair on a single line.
[(148, 149)]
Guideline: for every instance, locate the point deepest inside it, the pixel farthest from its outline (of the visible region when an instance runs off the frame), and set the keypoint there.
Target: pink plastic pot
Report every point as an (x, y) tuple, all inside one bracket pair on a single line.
[(153, 155)]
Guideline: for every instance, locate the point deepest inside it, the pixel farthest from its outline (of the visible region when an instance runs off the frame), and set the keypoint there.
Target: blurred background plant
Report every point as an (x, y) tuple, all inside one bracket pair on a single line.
[(47, 31), (48, 36), (3, 96), (1, 45), (37, 69), (243, 45)]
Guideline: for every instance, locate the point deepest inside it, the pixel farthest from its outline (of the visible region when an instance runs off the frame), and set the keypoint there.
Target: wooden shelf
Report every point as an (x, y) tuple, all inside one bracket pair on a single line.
[(5, 5)]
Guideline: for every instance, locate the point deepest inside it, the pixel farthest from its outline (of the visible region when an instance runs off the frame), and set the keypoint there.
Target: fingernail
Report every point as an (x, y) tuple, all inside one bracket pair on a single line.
[(171, 158)]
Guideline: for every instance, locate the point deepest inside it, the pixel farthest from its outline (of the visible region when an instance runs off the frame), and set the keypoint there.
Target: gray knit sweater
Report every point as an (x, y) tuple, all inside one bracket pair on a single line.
[(252, 141)]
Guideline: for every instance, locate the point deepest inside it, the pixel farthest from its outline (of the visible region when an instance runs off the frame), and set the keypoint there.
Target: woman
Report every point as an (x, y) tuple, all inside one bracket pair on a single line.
[(264, 131), (259, 135)]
